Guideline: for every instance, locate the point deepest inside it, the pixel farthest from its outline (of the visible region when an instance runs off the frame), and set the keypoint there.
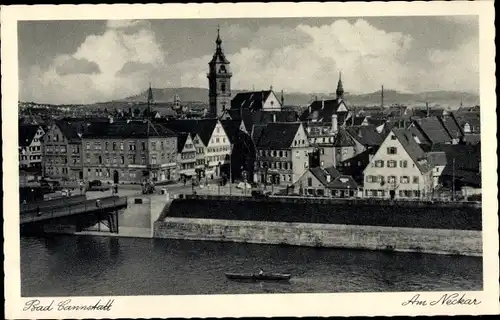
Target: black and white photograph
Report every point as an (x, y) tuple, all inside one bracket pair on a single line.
[(241, 156)]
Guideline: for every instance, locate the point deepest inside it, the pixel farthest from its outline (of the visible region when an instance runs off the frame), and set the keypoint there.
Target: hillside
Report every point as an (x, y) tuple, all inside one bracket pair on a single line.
[(443, 98)]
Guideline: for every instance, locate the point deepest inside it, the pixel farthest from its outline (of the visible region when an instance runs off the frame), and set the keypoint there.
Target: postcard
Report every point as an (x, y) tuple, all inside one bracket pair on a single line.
[(251, 159)]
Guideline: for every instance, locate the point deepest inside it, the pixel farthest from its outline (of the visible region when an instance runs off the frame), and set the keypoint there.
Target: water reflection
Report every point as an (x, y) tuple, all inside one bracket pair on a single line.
[(72, 265)]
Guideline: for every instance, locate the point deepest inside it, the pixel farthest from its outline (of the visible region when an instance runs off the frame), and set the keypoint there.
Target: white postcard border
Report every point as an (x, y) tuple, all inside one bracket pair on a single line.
[(335, 304)]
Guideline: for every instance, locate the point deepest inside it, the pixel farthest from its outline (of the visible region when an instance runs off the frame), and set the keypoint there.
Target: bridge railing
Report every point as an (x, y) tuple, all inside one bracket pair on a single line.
[(76, 208)]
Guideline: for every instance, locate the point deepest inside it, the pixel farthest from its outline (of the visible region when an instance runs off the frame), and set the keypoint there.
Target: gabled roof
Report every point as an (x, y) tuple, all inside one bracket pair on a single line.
[(181, 141), (26, 134), (257, 132), (232, 128), (277, 135), (338, 181), (367, 136), (321, 174), (203, 127), (322, 110), (253, 100), (413, 149), (256, 117), (433, 130), (343, 139)]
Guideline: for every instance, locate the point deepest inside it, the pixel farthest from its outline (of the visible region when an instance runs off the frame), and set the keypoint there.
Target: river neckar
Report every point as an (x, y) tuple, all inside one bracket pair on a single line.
[(59, 265)]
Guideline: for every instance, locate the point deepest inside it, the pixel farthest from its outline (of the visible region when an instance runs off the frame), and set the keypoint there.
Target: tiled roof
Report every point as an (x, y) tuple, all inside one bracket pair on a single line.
[(127, 129), (321, 174), (452, 126), (433, 130), (232, 128), (343, 139), (413, 149), (251, 118), (203, 127), (72, 129), (322, 110), (437, 158), (257, 131), (463, 162), (26, 134), (277, 135), (338, 181), (422, 138), (250, 100), (366, 135)]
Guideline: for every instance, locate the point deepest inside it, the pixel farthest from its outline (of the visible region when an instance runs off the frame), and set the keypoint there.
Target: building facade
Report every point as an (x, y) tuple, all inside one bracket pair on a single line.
[(186, 157), (399, 169), (62, 151), (282, 153), (219, 82), (30, 146), (131, 151)]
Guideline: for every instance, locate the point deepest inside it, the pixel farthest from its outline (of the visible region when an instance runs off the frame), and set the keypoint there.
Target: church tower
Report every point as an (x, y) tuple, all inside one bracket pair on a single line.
[(219, 82), (340, 88)]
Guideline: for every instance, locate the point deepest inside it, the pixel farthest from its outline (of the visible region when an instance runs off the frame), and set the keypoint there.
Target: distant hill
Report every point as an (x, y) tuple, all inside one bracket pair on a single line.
[(442, 98)]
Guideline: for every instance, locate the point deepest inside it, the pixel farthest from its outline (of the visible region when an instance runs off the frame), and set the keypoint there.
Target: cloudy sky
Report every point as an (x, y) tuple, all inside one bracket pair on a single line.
[(89, 61)]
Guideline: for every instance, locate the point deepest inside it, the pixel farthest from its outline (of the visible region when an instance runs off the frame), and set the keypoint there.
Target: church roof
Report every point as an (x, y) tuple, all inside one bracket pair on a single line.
[(253, 100), (322, 110)]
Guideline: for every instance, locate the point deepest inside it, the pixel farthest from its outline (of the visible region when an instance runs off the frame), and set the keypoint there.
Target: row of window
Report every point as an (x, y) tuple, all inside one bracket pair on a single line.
[(113, 146), (273, 153), (218, 149), (218, 140), (56, 149), (218, 158), (276, 178), (273, 165), (37, 148), (185, 166), (402, 193), (188, 155), (33, 158), (390, 164), (391, 179)]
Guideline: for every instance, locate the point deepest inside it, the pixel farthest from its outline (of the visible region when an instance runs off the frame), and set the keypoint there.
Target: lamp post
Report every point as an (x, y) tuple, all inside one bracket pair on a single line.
[(230, 168)]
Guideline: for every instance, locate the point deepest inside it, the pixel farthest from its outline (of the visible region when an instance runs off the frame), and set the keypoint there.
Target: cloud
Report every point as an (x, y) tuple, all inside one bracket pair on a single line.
[(101, 68), (66, 65), (303, 58)]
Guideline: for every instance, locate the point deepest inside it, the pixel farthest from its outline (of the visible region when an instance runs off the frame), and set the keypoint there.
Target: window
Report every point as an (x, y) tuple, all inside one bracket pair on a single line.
[(392, 179), (392, 164), (404, 179), (121, 146), (403, 164), (309, 182), (114, 146), (393, 137), (392, 150), (106, 145), (143, 160), (153, 146), (379, 164), (153, 160), (143, 145), (415, 179), (122, 158), (281, 154), (100, 160), (88, 146)]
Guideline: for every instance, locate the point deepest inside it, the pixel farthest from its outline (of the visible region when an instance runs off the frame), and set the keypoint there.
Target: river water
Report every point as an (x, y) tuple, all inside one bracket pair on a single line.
[(58, 265)]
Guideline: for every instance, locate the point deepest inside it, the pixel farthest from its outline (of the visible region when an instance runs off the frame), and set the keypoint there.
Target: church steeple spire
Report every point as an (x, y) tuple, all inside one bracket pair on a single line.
[(340, 87), (218, 41)]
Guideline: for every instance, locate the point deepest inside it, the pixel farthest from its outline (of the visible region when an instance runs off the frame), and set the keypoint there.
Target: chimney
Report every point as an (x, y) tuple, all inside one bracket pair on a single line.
[(328, 178), (334, 123), (322, 103), (382, 97)]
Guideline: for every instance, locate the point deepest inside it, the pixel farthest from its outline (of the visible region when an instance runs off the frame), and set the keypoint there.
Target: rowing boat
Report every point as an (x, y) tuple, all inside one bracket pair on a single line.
[(257, 277)]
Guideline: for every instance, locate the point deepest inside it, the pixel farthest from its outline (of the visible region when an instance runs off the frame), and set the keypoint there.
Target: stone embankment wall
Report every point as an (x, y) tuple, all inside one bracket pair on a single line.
[(442, 241), (374, 225)]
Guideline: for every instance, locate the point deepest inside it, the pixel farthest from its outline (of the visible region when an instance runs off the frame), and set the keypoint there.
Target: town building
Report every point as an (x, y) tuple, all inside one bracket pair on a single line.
[(30, 145), (282, 153), (132, 151), (213, 146), (399, 169), (431, 130), (186, 156), (219, 82), (326, 182), (62, 150)]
